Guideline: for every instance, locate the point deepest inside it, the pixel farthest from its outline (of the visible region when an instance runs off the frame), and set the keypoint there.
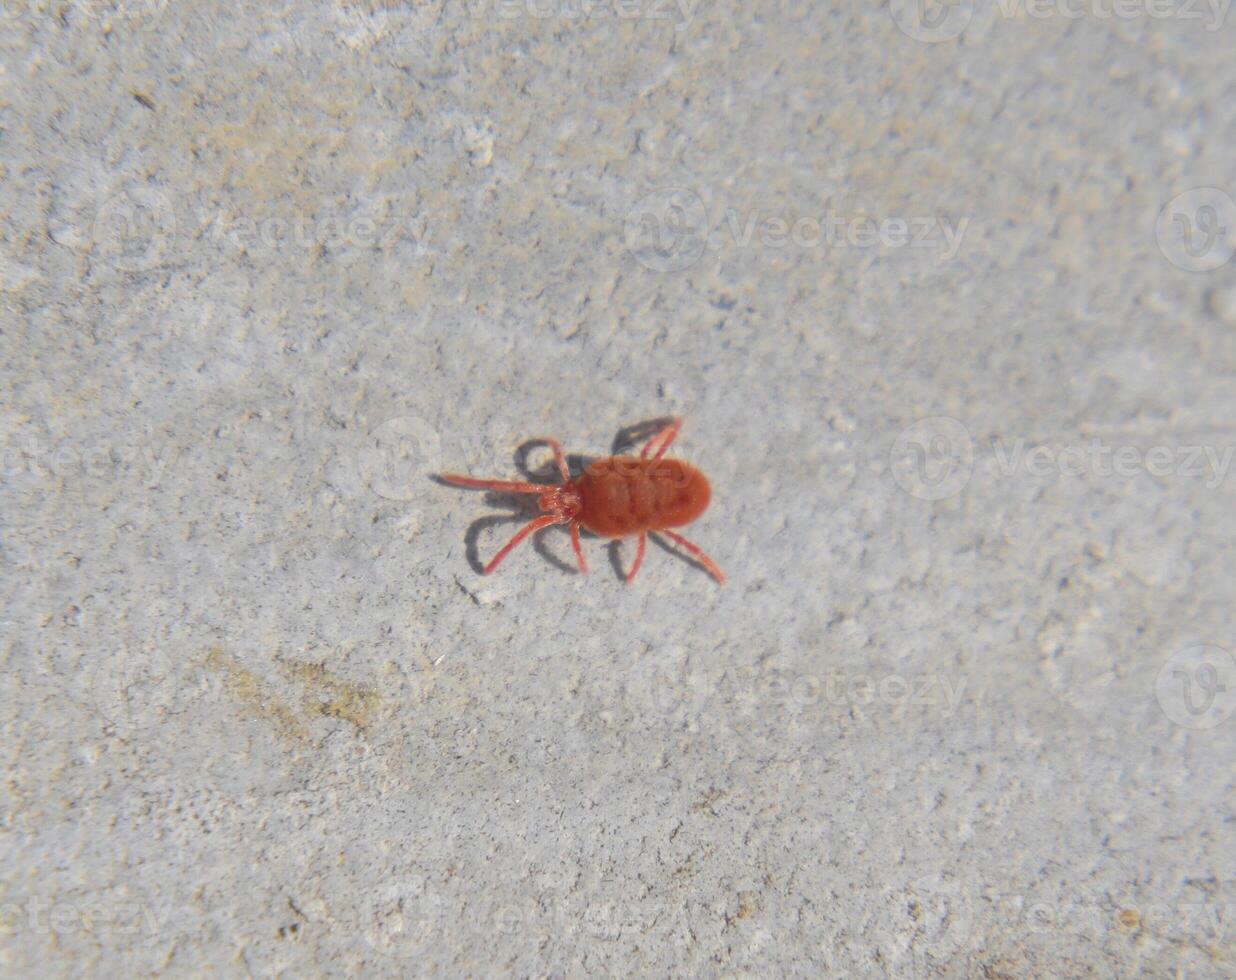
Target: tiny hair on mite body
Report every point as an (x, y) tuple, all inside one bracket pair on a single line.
[(616, 497)]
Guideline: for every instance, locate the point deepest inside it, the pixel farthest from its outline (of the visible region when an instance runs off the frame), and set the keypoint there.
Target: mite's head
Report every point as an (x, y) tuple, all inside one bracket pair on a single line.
[(563, 501)]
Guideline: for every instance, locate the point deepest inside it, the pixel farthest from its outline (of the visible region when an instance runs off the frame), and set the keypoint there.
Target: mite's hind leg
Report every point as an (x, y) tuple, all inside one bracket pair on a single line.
[(695, 553), (639, 558), (529, 528), (661, 441), (579, 551)]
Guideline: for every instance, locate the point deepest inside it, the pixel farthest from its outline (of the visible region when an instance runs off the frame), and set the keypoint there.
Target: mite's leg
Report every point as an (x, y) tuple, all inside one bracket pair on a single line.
[(639, 558), (661, 441), (695, 553), (579, 551), (559, 459), (505, 485), (530, 528)]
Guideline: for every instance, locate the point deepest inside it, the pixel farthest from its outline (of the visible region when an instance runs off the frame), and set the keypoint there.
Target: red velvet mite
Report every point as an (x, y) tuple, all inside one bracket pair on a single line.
[(616, 497)]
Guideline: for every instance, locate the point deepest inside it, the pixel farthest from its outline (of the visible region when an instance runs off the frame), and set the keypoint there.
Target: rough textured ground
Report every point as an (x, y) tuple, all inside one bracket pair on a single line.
[(949, 305)]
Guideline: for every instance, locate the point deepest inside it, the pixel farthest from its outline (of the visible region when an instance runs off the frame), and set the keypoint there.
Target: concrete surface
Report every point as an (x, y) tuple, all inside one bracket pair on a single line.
[(947, 300)]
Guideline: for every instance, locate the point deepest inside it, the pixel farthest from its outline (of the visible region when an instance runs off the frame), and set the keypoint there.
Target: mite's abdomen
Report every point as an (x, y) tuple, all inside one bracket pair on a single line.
[(625, 495)]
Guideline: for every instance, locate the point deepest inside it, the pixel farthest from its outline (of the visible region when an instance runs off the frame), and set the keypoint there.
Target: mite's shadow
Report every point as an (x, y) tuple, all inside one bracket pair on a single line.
[(669, 549), (614, 550), (473, 536), (547, 472), (522, 507), (630, 437)]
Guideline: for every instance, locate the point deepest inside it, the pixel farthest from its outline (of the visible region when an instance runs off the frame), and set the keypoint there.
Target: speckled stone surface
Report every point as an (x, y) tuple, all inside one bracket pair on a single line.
[(947, 299)]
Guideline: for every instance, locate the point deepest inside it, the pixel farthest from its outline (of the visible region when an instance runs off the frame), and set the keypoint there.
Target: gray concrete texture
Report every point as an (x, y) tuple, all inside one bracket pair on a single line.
[(947, 299)]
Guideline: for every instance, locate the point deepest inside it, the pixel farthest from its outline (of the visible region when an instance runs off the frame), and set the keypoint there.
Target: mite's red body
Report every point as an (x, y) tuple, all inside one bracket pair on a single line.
[(625, 495), (616, 497)]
